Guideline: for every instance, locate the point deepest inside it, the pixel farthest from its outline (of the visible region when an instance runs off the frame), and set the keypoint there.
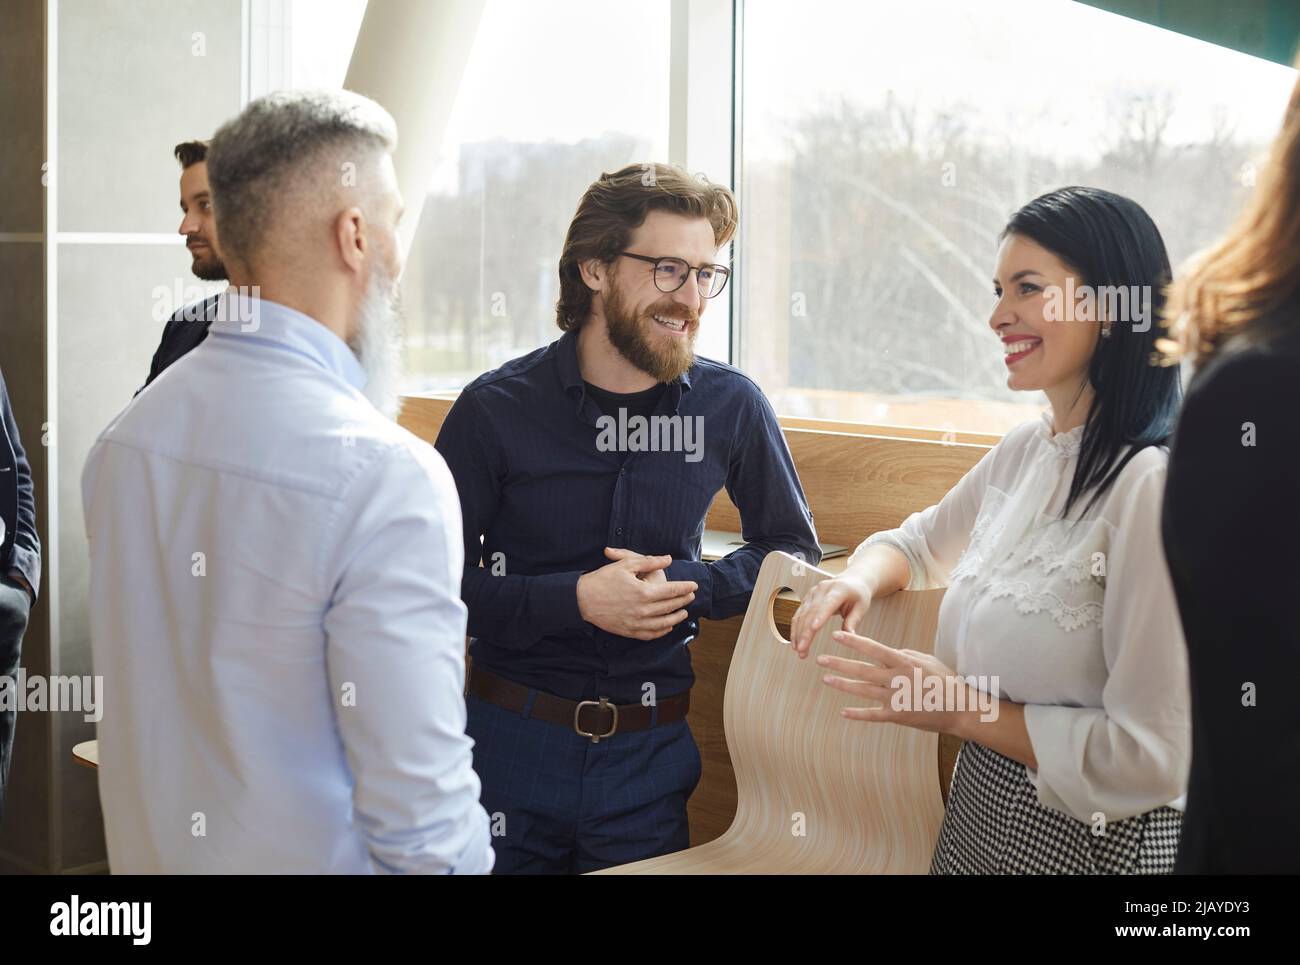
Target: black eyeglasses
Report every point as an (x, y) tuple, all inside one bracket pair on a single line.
[(671, 274)]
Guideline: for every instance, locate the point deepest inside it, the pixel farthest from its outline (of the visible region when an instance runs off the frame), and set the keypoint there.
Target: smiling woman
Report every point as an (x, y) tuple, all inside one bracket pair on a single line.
[(1095, 368), (1066, 612)]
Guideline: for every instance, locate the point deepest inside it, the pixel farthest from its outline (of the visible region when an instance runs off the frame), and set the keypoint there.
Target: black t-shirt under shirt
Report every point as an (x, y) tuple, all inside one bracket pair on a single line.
[(636, 403)]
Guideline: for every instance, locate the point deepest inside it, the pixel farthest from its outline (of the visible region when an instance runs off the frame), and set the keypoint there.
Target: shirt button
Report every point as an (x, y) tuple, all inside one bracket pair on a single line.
[(622, 472), (619, 531)]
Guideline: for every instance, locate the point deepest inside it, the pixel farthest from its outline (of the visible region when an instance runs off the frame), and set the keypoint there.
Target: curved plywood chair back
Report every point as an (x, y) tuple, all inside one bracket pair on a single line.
[(818, 793)]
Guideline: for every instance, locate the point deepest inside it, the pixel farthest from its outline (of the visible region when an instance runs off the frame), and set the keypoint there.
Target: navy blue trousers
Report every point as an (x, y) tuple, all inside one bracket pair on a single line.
[(560, 804)]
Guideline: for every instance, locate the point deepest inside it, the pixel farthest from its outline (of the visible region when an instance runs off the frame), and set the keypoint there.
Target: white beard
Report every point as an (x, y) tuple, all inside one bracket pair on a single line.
[(377, 344)]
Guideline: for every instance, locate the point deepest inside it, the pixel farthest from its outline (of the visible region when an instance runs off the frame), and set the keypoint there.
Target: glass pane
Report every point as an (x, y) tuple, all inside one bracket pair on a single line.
[(883, 157), (321, 37), (554, 95)]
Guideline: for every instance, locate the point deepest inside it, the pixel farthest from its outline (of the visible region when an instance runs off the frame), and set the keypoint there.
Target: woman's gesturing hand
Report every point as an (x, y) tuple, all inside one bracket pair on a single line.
[(848, 596), (900, 679)]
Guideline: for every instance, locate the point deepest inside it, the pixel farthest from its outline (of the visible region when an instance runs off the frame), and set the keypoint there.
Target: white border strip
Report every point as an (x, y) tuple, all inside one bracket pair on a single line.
[(679, 47), (52, 580), (700, 126), (245, 44), (736, 330), (118, 238)]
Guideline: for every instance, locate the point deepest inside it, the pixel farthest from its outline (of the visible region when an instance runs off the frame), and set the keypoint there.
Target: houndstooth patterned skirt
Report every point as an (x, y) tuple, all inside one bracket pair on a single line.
[(995, 824)]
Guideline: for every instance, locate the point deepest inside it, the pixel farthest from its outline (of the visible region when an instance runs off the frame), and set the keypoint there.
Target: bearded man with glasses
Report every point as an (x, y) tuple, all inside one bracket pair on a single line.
[(591, 584)]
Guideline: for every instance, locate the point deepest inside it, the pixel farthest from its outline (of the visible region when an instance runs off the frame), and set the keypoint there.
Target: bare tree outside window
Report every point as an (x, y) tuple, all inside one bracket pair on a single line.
[(882, 159)]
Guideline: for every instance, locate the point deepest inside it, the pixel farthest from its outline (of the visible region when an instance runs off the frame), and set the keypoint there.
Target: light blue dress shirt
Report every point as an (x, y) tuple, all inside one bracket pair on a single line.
[(275, 611)]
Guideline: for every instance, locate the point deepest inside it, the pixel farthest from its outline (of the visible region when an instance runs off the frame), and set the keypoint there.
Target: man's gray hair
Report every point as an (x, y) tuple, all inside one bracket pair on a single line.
[(284, 144)]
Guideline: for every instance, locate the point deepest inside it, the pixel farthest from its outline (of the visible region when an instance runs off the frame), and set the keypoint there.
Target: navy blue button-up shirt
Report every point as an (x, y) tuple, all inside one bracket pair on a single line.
[(546, 493)]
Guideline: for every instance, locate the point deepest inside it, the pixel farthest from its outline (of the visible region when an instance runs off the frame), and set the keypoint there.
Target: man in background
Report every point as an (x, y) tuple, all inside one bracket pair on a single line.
[(275, 564), (188, 326), (20, 565)]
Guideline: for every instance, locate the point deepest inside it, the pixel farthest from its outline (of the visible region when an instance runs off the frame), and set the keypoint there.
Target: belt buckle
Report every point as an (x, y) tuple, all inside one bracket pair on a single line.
[(602, 703)]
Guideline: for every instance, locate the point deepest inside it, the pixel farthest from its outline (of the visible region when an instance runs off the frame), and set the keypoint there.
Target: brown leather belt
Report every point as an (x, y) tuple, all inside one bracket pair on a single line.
[(602, 719)]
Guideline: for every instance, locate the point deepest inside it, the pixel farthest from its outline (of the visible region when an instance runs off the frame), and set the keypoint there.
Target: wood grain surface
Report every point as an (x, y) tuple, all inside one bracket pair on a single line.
[(818, 794)]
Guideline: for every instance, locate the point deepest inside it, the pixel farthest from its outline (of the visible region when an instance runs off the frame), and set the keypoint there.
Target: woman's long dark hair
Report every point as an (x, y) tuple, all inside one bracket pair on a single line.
[(1108, 240)]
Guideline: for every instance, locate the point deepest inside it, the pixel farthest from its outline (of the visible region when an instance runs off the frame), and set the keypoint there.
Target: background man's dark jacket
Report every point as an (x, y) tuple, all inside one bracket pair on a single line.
[(182, 334), (21, 549)]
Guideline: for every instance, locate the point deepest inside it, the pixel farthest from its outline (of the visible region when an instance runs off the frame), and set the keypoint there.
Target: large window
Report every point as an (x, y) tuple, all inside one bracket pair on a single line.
[(554, 94), (884, 146), (881, 149)]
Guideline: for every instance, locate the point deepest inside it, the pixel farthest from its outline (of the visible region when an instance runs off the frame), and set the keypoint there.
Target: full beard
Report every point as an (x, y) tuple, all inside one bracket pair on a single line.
[(209, 269), (377, 343), (662, 357)]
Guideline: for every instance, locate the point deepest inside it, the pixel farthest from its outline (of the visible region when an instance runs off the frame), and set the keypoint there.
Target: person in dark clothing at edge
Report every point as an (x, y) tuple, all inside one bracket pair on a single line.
[(585, 471), (189, 325), (1231, 529), (20, 566)]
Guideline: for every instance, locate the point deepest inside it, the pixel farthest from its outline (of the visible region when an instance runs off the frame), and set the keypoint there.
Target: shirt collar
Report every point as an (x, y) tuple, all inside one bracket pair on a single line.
[(1065, 444), (567, 358), (262, 320)]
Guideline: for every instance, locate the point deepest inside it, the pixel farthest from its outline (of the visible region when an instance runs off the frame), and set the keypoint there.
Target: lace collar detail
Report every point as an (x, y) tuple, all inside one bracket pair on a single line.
[(1065, 444)]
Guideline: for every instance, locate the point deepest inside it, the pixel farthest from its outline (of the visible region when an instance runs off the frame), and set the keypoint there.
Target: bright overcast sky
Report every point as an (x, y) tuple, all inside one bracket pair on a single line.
[(566, 69), (1040, 67)]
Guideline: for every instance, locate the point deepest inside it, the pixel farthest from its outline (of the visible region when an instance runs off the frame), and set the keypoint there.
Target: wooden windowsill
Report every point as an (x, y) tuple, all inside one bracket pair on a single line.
[(834, 425)]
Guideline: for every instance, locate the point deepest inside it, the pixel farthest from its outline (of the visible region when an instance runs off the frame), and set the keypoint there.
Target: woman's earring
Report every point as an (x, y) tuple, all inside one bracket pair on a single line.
[(1105, 330)]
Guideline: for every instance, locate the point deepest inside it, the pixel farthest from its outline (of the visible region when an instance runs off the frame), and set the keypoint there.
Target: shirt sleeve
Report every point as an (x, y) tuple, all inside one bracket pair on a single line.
[(395, 652), (934, 538), (1133, 753), (764, 486), (512, 610)]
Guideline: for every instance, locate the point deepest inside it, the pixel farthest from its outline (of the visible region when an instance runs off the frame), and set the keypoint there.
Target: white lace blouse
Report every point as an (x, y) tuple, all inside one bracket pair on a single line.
[(1076, 619)]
